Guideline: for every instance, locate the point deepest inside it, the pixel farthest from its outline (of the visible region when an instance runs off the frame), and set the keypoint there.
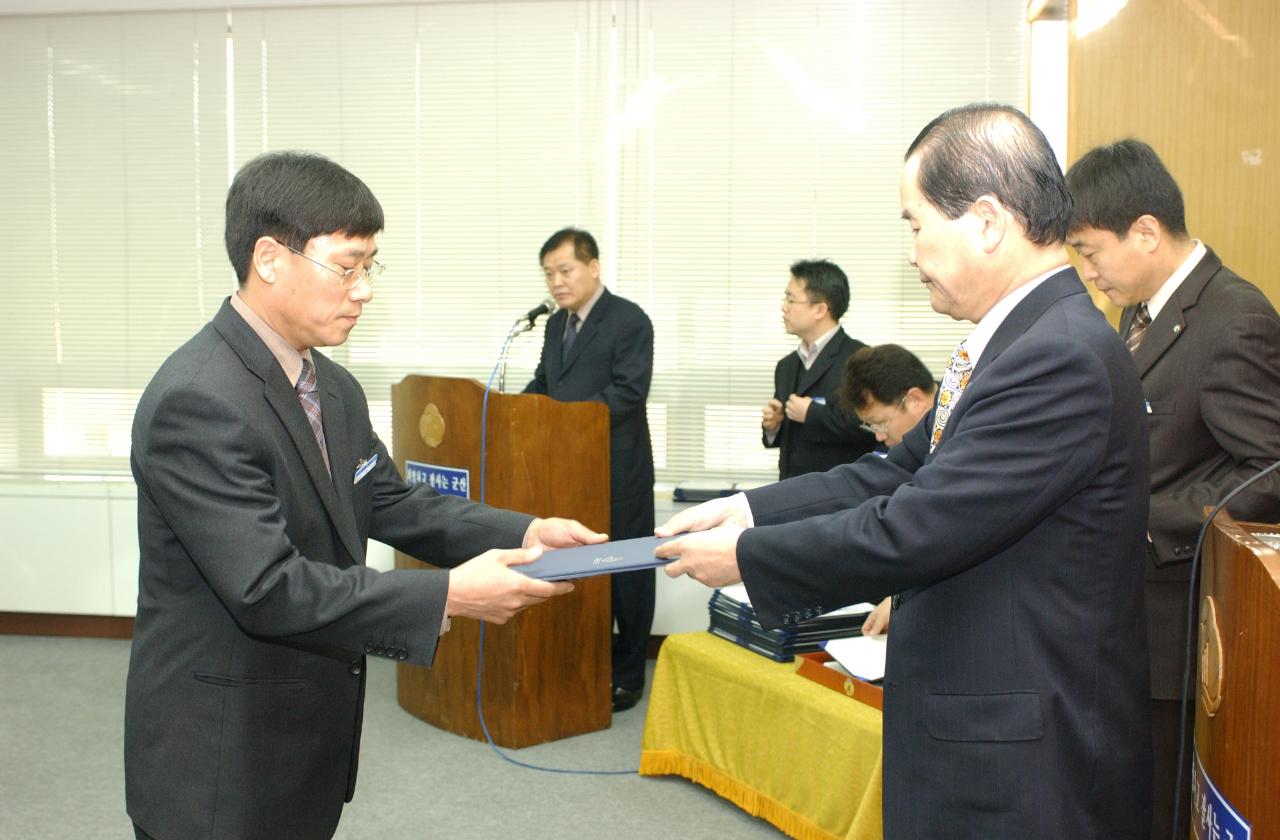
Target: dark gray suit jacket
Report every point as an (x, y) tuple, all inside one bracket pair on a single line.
[(829, 434), (1016, 692), (255, 610), (1210, 368), (611, 361)]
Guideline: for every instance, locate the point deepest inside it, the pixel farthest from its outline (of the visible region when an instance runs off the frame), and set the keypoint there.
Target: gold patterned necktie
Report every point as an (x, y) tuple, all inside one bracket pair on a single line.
[(1141, 320), (310, 401), (954, 382)]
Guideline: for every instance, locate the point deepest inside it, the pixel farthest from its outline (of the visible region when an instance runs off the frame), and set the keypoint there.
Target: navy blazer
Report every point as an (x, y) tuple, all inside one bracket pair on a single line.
[(1016, 692), (1210, 369), (245, 692), (829, 435), (611, 361)]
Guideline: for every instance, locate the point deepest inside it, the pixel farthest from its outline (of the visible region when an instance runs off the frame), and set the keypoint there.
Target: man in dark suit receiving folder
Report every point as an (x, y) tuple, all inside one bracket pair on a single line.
[(260, 482), (1010, 520), (1207, 346)]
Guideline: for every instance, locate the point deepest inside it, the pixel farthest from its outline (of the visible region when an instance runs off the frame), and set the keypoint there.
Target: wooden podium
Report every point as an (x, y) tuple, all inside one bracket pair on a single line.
[(546, 672), (1238, 684)]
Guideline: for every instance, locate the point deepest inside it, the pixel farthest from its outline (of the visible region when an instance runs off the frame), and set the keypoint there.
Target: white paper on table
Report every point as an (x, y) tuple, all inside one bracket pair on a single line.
[(738, 592), (862, 656)]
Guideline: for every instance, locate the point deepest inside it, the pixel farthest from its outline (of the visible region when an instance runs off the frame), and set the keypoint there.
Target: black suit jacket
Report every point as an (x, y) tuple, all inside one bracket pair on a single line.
[(611, 361), (829, 435), (1210, 368), (255, 609), (1016, 694)]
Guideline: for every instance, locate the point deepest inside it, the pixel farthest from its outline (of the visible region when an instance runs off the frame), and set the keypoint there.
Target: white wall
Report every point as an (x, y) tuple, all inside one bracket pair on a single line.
[(71, 547)]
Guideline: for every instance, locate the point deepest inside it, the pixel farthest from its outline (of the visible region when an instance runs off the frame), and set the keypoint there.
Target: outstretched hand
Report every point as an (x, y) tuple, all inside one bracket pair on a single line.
[(709, 557), (485, 587), (727, 510), (560, 533)]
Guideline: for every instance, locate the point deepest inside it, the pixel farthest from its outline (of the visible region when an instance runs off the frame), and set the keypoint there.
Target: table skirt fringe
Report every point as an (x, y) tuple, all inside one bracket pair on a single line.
[(672, 763)]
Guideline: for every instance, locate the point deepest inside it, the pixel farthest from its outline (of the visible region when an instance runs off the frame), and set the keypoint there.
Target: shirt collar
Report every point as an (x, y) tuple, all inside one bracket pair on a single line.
[(1166, 290), (585, 310), (987, 326), (809, 355), (290, 359)]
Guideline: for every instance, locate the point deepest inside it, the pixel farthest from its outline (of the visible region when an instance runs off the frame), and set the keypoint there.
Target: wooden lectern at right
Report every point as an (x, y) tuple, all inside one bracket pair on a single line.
[(1236, 770)]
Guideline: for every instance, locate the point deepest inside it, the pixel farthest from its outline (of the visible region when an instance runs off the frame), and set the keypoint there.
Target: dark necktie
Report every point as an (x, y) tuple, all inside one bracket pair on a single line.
[(310, 401), (1141, 320), (569, 335)]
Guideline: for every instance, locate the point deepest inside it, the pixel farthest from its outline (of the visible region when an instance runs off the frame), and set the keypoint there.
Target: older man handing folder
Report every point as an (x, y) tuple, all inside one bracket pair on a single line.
[(1011, 520)]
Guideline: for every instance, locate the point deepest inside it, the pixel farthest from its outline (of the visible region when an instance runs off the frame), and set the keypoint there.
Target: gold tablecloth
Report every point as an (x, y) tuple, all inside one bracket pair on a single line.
[(776, 744)]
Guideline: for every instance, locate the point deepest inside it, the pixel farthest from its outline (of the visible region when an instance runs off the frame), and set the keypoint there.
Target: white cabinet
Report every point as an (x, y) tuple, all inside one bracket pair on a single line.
[(60, 538)]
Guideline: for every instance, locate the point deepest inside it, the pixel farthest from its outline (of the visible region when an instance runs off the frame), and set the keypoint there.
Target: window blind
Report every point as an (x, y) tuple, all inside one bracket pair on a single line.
[(707, 144)]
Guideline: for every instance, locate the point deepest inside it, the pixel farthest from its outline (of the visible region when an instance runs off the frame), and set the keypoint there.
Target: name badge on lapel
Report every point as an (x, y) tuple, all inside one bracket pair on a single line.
[(366, 464)]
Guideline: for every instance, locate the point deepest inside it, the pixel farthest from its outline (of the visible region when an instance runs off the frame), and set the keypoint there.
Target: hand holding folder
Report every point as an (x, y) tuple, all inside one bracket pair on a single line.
[(599, 559)]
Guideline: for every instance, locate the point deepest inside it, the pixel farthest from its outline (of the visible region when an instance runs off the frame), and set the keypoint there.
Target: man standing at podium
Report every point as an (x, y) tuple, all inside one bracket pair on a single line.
[(260, 482), (599, 347), (1010, 521), (1207, 346)]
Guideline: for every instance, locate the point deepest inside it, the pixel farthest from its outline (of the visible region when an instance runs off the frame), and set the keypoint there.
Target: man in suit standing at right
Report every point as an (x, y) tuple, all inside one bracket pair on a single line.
[(1010, 522), (804, 418), (599, 347), (1207, 346)]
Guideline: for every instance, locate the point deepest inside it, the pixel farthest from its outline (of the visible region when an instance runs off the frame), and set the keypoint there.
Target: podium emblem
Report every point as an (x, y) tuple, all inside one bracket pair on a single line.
[(431, 426), (1210, 656)]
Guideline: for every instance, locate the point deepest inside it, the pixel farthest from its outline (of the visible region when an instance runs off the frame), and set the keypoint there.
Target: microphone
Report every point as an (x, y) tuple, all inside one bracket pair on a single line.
[(548, 305)]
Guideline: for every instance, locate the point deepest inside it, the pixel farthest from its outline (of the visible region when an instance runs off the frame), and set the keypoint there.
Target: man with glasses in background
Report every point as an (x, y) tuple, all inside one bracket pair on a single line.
[(260, 481), (812, 431), (889, 389)]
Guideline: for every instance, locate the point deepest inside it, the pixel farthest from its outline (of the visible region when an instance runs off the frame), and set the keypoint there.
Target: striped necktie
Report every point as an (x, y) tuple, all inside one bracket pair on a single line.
[(569, 335), (310, 401), (954, 382), (1138, 327)]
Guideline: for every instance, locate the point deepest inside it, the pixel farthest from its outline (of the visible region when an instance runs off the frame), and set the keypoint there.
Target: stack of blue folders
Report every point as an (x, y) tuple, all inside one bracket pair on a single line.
[(733, 618)]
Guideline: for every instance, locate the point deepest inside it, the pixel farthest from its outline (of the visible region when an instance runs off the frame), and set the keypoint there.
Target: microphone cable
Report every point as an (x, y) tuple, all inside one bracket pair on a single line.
[(484, 726), (1191, 637)]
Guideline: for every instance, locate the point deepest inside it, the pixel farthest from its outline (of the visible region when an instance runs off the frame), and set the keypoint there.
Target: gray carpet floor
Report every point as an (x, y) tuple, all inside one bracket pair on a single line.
[(61, 712)]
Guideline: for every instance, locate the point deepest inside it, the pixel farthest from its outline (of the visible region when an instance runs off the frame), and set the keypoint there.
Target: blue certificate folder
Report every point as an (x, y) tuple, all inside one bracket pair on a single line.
[(599, 559)]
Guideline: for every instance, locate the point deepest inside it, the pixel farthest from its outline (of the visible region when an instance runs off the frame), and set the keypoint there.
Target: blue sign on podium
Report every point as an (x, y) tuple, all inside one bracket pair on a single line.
[(1212, 817), (450, 481)]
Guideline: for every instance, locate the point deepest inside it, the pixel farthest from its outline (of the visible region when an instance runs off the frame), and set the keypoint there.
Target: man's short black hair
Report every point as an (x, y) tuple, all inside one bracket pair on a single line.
[(991, 149), (1113, 185), (293, 197), (884, 373), (824, 282), (584, 244)]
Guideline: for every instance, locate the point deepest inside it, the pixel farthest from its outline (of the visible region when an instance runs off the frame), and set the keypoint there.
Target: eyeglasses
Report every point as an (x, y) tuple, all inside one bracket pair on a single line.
[(788, 301), (351, 277), (882, 428)]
